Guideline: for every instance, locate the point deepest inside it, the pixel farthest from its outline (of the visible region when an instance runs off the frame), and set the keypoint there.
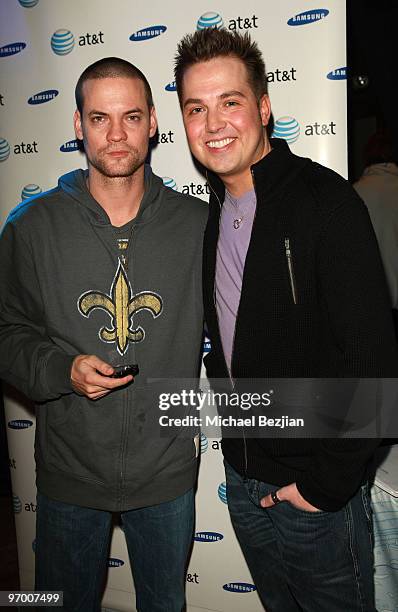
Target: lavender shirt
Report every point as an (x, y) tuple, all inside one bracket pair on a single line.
[(231, 255)]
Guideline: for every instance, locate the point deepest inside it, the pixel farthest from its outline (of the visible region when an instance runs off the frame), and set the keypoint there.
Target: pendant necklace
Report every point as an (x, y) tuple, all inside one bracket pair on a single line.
[(238, 222)]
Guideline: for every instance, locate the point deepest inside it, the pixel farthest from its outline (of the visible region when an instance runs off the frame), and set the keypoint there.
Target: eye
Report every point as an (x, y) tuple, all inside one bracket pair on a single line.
[(231, 103), (195, 110), (133, 118), (97, 119)]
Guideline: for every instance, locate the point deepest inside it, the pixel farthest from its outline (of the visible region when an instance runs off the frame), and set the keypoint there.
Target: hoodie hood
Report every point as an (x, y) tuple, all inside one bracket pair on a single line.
[(74, 184)]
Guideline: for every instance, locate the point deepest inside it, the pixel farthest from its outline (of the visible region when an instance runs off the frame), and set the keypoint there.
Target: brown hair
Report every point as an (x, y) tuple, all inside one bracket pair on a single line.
[(210, 43), (110, 67)]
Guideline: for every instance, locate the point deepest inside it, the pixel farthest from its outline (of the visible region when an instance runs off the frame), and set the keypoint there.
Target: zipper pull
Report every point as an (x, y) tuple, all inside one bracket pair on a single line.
[(291, 270)]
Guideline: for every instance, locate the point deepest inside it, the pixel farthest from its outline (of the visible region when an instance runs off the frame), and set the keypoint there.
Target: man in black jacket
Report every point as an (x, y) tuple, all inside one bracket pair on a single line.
[(293, 287)]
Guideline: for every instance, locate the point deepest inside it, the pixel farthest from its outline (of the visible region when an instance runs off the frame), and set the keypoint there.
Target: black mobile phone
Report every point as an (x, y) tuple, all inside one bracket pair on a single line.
[(125, 370)]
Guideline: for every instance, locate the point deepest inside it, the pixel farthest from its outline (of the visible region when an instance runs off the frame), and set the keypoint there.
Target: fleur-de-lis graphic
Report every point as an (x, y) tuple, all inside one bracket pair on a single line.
[(121, 305)]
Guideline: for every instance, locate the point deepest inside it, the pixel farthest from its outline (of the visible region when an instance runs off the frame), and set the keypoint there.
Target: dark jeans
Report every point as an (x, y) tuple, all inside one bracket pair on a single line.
[(304, 561), (72, 545)]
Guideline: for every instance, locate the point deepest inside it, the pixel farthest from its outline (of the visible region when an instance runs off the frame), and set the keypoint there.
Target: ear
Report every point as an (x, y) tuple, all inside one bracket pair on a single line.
[(153, 122), (77, 122), (265, 109)]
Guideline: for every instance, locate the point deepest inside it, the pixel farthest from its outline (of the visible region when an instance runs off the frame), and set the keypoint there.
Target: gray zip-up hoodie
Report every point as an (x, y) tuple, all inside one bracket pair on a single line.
[(65, 292)]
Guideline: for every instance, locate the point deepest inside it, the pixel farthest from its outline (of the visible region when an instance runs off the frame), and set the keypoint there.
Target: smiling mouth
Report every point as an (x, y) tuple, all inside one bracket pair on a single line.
[(218, 144)]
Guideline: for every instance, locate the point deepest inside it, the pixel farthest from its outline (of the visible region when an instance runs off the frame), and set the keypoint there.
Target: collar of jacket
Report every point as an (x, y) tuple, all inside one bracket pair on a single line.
[(74, 184), (272, 172)]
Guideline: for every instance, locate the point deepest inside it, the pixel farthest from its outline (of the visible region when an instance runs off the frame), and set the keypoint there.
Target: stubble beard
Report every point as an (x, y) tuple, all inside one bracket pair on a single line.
[(122, 168)]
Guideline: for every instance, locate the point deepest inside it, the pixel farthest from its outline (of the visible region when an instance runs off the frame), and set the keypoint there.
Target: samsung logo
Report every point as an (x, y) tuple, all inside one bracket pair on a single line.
[(340, 74), (208, 536), (171, 86), (115, 562), (147, 33), (239, 587), (12, 49), (308, 17), (43, 96), (71, 145), (20, 424)]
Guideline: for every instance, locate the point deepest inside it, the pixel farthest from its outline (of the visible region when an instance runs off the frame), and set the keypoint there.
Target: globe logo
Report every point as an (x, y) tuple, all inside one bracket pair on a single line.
[(204, 443), (169, 182), (209, 20), (62, 42), (222, 492), (30, 190), (4, 149), (28, 3), (286, 128), (17, 504)]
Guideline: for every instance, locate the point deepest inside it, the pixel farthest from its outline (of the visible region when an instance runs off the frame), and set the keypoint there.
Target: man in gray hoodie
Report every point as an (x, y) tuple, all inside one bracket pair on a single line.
[(103, 271)]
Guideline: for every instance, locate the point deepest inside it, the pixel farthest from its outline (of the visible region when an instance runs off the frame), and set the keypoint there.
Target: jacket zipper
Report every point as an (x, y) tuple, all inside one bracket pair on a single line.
[(125, 262), (233, 342), (290, 267)]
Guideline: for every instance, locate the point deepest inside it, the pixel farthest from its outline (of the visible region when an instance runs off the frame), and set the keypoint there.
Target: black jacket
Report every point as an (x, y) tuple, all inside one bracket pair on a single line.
[(328, 316)]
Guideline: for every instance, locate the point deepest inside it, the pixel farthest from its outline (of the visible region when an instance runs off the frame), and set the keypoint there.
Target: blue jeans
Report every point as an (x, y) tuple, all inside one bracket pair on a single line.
[(72, 548), (304, 561)]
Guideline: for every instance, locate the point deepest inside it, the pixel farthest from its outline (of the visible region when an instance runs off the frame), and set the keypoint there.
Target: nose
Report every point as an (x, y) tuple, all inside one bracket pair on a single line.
[(116, 131), (214, 120)]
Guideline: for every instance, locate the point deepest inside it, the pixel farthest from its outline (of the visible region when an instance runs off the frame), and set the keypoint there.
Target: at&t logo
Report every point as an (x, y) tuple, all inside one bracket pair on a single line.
[(62, 42), (4, 149), (204, 443), (169, 182), (214, 20), (308, 17), (222, 492), (17, 504), (287, 128), (30, 190), (28, 3), (148, 33), (209, 20), (193, 578)]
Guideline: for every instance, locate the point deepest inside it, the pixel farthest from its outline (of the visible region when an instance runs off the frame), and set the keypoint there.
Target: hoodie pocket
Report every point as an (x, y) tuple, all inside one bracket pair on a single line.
[(290, 268)]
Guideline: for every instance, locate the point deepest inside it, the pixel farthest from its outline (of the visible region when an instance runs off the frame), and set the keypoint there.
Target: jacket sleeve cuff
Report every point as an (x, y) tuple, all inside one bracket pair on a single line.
[(58, 370)]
